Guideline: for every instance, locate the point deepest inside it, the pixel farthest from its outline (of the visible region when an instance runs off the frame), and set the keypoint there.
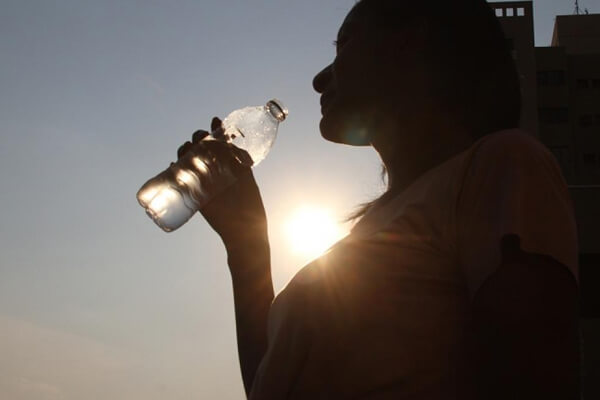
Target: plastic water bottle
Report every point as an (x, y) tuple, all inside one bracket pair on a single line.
[(172, 197)]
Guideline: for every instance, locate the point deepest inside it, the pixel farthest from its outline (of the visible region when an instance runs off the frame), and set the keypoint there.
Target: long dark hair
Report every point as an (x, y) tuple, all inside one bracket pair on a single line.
[(468, 59)]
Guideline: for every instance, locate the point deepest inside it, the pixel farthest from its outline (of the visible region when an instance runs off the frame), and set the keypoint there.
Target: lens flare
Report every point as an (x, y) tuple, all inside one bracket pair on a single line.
[(311, 231)]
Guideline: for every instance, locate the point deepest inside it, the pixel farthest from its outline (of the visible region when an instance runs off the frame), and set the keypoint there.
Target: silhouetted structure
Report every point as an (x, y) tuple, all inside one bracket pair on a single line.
[(517, 22), (561, 106)]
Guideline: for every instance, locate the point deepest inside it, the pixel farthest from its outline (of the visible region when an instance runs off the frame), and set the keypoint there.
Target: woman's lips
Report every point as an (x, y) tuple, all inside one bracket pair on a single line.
[(325, 102)]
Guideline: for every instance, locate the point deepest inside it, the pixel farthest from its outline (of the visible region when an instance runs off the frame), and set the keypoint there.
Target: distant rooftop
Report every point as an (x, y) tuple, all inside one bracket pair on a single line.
[(512, 9), (580, 34)]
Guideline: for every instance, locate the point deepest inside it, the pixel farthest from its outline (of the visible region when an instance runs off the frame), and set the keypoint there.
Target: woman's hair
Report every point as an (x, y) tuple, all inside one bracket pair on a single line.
[(466, 53), (473, 74)]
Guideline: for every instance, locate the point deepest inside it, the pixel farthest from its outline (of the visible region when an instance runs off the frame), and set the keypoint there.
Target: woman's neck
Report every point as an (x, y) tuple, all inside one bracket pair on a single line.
[(410, 154)]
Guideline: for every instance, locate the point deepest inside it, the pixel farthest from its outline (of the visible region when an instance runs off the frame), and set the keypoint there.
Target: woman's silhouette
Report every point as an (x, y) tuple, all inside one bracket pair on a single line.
[(460, 281)]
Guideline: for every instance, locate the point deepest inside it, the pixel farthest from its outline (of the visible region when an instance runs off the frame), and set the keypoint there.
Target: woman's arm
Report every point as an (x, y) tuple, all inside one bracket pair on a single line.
[(253, 295), (238, 216), (525, 305), (243, 229), (525, 319)]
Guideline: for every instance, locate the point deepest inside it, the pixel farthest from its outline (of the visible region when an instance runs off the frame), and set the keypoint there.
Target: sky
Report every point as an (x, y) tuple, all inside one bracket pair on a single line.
[(96, 302)]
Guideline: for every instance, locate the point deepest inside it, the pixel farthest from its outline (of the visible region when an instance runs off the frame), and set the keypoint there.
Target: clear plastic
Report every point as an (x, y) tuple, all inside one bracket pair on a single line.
[(172, 197), (254, 128)]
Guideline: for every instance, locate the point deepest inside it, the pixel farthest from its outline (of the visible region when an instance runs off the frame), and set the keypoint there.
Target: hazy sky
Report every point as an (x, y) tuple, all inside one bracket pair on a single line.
[(95, 97)]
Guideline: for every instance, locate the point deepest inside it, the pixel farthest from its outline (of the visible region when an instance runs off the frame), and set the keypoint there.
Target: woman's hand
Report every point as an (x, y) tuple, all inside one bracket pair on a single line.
[(237, 214)]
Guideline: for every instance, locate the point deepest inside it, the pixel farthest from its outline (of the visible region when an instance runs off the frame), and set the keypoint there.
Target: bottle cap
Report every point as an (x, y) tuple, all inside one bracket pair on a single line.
[(277, 109)]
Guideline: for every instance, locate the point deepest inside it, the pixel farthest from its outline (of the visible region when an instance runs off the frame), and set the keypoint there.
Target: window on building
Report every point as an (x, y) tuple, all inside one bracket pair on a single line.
[(551, 78), (499, 12), (562, 155), (586, 121), (510, 12), (596, 83), (521, 12), (583, 83), (554, 115), (590, 160)]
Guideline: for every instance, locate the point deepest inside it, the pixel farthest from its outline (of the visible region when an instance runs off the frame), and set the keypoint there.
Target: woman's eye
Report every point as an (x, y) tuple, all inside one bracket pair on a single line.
[(339, 43)]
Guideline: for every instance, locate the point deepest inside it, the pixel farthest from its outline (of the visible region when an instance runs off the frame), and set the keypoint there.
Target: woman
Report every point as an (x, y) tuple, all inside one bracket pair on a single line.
[(459, 282)]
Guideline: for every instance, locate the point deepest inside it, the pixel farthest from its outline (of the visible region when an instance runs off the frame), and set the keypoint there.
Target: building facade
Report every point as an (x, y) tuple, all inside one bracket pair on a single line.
[(560, 86)]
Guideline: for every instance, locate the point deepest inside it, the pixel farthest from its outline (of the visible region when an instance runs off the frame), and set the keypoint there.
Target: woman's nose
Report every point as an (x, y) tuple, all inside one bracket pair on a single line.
[(322, 79)]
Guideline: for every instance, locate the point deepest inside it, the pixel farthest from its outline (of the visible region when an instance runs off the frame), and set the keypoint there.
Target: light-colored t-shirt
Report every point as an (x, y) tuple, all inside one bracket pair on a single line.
[(385, 313)]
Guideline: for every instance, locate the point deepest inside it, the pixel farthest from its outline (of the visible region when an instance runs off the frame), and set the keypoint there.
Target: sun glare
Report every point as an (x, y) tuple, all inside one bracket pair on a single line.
[(311, 231)]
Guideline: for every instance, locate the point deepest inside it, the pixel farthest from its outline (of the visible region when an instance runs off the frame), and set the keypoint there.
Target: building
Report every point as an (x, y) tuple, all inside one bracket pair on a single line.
[(561, 106), (517, 21), (574, 59)]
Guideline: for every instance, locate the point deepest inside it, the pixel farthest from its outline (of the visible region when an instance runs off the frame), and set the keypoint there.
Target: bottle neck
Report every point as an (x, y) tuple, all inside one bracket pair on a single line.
[(277, 110)]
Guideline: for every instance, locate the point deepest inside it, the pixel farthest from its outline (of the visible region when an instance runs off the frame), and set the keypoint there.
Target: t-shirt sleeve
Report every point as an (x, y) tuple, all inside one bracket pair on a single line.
[(512, 185)]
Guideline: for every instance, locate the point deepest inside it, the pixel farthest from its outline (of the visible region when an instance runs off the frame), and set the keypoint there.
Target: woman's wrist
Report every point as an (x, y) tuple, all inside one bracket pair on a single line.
[(250, 258)]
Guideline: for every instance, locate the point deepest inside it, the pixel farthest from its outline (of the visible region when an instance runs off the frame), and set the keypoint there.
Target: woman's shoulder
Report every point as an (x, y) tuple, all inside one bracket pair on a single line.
[(510, 142), (511, 152)]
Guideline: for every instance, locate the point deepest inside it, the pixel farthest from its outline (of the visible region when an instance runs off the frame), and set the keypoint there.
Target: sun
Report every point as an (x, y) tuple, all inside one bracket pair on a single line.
[(311, 231)]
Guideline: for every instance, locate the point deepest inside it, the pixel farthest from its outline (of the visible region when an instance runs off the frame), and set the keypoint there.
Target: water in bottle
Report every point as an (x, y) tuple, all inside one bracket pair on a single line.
[(172, 197)]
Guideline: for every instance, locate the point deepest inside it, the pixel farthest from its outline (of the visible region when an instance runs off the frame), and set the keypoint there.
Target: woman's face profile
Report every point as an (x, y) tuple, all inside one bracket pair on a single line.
[(349, 85), (368, 79)]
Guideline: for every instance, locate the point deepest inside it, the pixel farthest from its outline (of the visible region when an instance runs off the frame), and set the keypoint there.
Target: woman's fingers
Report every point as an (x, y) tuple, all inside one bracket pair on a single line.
[(227, 152), (216, 124), (242, 156), (199, 135), (184, 148)]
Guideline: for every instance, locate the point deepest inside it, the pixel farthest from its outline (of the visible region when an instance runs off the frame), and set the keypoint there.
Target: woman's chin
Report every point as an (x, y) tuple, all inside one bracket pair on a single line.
[(343, 132)]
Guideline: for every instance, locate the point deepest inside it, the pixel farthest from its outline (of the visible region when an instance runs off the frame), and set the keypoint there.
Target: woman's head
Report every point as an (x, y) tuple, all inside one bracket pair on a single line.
[(408, 61)]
